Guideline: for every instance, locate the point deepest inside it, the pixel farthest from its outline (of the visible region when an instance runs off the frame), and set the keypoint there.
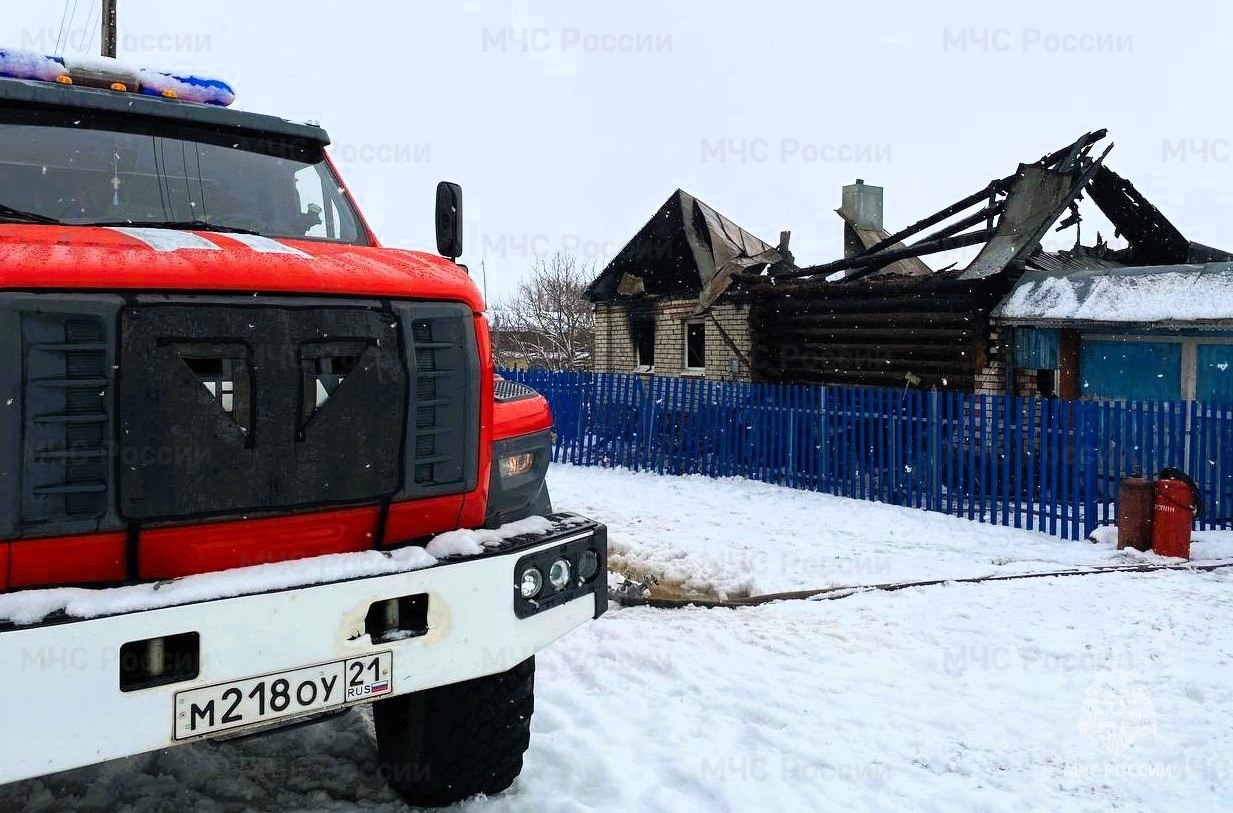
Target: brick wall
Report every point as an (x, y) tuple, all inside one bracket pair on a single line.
[(1027, 382), (991, 380), (614, 350), (670, 318), (719, 355)]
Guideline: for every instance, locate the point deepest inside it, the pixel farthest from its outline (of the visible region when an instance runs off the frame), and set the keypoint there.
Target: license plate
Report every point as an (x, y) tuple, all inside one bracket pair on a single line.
[(257, 700)]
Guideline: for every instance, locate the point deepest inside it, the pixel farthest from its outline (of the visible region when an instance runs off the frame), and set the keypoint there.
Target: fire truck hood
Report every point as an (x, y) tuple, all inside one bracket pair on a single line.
[(163, 260)]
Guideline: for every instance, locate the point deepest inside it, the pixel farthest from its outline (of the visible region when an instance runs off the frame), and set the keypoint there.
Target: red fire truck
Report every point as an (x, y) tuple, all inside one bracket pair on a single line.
[(236, 434)]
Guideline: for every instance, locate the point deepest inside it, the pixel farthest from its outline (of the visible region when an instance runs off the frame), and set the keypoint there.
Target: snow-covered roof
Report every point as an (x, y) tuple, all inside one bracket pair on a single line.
[(1173, 294)]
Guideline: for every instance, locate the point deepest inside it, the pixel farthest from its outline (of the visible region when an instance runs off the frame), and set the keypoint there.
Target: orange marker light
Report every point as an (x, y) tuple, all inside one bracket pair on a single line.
[(64, 80), (119, 86), (170, 94)]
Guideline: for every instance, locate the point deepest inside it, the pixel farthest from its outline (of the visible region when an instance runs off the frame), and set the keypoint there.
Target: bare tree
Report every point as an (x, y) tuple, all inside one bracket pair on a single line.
[(548, 323)]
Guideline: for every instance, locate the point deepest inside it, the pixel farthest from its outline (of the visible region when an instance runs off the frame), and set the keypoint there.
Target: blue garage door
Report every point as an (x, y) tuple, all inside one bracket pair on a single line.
[(1214, 378), (1134, 371)]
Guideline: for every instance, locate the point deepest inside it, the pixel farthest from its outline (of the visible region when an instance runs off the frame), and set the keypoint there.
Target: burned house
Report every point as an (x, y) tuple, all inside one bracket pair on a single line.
[(1151, 319), (692, 293), (869, 319), (648, 313), (1091, 322)]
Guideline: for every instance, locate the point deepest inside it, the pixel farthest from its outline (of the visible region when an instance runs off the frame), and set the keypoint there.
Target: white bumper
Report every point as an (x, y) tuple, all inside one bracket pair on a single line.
[(63, 707)]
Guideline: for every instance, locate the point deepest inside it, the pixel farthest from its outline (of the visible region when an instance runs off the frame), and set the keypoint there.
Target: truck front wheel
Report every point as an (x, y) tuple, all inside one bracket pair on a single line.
[(440, 746)]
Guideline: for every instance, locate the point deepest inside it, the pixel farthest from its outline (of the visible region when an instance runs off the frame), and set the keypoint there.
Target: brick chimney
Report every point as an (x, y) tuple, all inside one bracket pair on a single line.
[(862, 209)]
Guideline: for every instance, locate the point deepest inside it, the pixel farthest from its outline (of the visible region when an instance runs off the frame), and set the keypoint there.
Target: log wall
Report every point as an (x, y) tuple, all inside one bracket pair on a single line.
[(924, 334)]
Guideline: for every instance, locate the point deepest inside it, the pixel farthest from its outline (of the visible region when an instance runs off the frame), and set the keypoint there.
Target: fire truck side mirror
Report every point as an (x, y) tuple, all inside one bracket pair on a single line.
[(449, 220)]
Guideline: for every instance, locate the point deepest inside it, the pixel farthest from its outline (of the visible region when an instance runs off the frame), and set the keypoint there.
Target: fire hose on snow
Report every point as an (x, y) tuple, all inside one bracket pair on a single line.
[(637, 598)]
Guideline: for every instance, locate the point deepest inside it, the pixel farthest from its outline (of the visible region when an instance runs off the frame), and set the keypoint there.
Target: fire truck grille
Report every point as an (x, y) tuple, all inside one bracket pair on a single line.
[(441, 419), (58, 373), (117, 412)]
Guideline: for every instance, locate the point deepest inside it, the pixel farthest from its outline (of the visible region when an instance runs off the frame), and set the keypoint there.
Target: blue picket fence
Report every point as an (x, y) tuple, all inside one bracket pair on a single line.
[(1034, 463)]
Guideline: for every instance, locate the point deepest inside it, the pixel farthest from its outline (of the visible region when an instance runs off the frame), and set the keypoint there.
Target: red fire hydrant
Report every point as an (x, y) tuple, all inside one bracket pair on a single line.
[(1177, 505)]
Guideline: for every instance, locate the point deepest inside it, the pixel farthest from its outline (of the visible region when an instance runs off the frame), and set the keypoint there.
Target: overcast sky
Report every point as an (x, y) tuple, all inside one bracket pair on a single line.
[(568, 123)]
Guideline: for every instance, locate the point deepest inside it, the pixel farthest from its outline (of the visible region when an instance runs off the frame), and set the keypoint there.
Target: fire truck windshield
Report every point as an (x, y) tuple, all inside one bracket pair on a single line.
[(71, 168)]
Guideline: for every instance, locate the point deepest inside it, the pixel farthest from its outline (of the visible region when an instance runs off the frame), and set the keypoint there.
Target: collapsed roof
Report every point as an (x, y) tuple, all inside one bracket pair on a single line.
[(866, 320), (1014, 215), (686, 247), (690, 249)]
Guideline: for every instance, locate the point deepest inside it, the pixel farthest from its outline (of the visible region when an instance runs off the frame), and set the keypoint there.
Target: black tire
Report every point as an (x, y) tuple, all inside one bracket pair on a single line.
[(444, 745)]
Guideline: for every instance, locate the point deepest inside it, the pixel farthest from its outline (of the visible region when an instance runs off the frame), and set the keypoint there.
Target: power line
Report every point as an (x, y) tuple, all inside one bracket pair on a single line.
[(60, 35), (68, 32), (92, 25)]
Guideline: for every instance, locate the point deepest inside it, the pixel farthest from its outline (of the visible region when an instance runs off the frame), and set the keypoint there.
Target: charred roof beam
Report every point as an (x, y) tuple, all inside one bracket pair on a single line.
[(1069, 159), (934, 219), (1066, 155), (1153, 239), (1033, 207), (1083, 145), (987, 214), (869, 264)]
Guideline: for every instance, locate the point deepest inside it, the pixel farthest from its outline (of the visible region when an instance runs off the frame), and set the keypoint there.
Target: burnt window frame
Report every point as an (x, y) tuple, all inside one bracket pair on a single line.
[(687, 328), (642, 334)]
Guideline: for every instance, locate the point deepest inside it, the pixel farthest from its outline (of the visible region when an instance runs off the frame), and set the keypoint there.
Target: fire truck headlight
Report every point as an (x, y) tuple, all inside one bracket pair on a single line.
[(532, 583), (559, 574), (516, 465)]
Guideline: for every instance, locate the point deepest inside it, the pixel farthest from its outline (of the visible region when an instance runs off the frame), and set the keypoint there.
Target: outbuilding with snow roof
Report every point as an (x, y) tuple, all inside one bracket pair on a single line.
[(1152, 333)]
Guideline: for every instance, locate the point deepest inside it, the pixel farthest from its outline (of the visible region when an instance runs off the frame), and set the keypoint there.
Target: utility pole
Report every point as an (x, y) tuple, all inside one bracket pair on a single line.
[(109, 28)]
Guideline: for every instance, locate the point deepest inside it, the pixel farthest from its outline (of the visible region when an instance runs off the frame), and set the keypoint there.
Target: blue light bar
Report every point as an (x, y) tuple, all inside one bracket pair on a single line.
[(102, 72), (31, 65), (201, 89)]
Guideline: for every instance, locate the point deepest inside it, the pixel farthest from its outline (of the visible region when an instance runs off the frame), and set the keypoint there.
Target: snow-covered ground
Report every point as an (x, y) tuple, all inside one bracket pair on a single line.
[(1080, 693), (735, 537)]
